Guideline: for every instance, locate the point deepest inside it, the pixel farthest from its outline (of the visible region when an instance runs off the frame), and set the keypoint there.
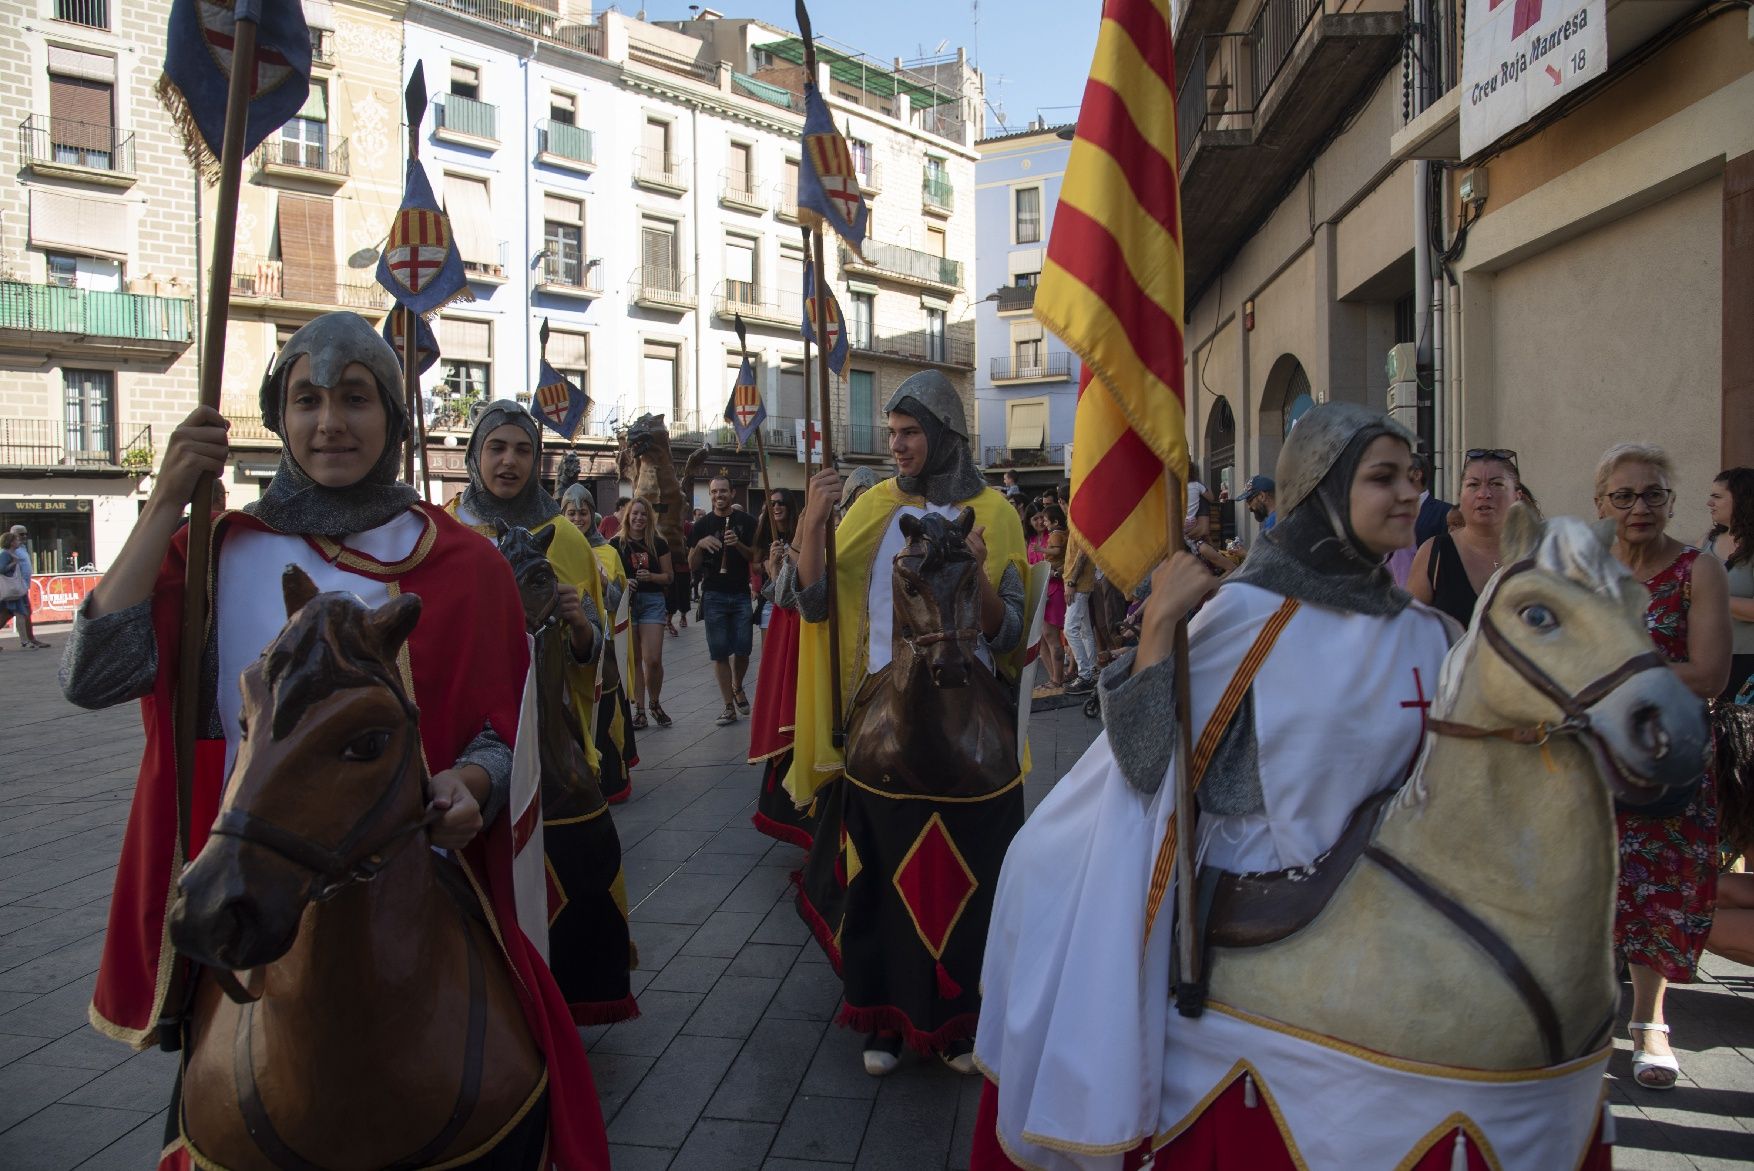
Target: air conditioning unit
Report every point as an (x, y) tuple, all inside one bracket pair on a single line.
[(1403, 363), (1404, 403)]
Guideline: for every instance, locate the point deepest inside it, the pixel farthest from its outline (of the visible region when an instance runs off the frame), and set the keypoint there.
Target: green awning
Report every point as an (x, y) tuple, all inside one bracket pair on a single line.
[(773, 95), (852, 71)]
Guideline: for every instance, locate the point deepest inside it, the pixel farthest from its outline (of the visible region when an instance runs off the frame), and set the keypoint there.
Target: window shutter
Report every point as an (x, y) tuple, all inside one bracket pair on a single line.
[(466, 76), (791, 397), (79, 224), (74, 63), (656, 141), (562, 108), (463, 340), (320, 13), (569, 351), (307, 248), (740, 260), (471, 215), (1026, 424), (80, 113), (562, 211), (316, 107), (658, 248)]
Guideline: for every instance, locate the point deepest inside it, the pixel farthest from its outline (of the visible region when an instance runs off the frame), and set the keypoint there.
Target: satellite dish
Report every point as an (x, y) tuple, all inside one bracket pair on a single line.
[(364, 258)]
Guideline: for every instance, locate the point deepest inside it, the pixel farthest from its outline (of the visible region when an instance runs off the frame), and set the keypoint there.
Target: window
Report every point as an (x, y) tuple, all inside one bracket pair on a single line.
[(467, 366), (1027, 352), (94, 273), (304, 140), (90, 414), (937, 183), (655, 145), (466, 81), (935, 335), (658, 256), (570, 354), (660, 387), (471, 214), (1026, 280), (789, 180), (740, 175), (792, 283), (791, 396), (90, 13), (1028, 221), (563, 108), (1026, 424), (861, 411), (563, 241), (63, 270), (864, 313), (82, 109), (305, 240), (935, 241), (861, 152), (740, 283)]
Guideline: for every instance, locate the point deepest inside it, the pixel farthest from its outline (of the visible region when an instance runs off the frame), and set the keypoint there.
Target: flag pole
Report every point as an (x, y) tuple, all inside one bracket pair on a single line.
[(760, 446), (1190, 989), (192, 640), (804, 233), (838, 727), (414, 101)]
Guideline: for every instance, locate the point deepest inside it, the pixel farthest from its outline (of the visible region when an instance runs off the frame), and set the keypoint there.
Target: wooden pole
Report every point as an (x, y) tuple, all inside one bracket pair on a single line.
[(838, 727), (1190, 998), (805, 233), (411, 398), (192, 642)]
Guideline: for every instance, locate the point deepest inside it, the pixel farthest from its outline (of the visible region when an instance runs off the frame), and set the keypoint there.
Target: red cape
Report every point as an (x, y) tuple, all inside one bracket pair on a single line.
[(468, 658)]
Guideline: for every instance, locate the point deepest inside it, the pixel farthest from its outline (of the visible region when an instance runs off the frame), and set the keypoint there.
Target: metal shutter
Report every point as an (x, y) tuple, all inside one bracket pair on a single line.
[(307, 248)]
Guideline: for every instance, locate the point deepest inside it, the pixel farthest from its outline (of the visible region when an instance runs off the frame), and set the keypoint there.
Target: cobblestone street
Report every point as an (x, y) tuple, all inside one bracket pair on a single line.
[(734, 1062)]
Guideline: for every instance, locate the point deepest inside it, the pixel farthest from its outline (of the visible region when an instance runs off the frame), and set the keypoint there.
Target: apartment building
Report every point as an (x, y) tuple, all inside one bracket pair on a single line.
[(315, 205), (635, 185), (1298, 225), (1026, 384), (97, 274), (1602, 246)]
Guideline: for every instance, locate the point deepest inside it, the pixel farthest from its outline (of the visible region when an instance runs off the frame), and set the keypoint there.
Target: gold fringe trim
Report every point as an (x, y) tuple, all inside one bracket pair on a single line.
[(195, 147)]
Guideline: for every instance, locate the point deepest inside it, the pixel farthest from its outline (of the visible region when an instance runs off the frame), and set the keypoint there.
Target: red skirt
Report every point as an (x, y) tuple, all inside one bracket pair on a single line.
[(776, 691)]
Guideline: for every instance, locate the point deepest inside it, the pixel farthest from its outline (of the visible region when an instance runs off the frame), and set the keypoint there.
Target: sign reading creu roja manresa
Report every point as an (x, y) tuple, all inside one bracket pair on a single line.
[(1521, 56)]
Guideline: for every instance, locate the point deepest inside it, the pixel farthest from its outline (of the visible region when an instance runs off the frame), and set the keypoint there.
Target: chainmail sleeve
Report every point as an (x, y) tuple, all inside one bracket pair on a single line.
[(783, 589), (612, 595), (494, 757), (812, 600), (1011, 594), (1139, 713), (596, 642), (110, 659)]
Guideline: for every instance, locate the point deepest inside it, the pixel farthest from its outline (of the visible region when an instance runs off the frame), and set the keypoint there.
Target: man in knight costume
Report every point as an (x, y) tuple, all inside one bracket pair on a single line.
[(899, 882), (336, 511), (588, 945), (617, 750)]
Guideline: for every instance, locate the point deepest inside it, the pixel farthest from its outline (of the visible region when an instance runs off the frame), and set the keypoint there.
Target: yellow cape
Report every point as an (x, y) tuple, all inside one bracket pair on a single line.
[(572, 557), (815, 759)]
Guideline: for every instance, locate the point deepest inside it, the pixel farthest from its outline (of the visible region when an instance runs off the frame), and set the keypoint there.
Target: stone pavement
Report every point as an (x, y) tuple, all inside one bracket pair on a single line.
[(733, 1064)]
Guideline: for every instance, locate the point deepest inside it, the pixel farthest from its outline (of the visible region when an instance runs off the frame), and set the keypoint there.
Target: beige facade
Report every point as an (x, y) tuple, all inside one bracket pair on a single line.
[(97, 274)]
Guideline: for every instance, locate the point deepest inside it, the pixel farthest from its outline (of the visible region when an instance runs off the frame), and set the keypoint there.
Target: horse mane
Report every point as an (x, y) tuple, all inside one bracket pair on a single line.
[(326, 648)]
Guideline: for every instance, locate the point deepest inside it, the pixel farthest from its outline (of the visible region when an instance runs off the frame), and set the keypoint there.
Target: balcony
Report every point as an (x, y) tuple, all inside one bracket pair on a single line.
[(785, 209), (907, 265), (870, 176), (1046, 368), (756, 305), (660, 170), (1052, 455), (45, 447), (90, 13), (248, 430), (1254, 107), (664, 289), (322, 46), (570, 276), (92, 321), (571, 148), (1015, 298), (318, 163), (466, 122), (310, 291), (869, 439), (937, 197), (697, 428), (84, 151), (918, 346), (740, 190)]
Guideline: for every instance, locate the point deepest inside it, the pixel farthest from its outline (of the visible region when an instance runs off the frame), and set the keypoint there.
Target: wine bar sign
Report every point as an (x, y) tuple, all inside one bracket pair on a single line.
[(1521, 57)]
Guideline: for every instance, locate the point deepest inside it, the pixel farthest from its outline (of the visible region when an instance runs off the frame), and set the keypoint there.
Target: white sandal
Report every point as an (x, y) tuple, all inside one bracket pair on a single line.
[(1662, 1064)]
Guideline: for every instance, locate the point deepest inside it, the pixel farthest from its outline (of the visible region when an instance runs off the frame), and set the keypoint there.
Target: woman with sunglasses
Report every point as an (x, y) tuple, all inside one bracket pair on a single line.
[(1668, 851), (1451, 569)]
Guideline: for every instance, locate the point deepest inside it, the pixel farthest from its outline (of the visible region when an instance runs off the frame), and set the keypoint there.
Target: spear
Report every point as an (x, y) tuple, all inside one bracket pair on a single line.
[(414, 99), (760, 447)]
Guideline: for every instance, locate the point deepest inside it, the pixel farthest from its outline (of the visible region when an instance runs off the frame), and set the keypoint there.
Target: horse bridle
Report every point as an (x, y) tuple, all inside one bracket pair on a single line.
[(1576, 722)]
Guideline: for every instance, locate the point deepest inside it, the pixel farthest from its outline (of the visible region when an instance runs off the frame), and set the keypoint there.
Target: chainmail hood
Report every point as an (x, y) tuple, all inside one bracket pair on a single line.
[(531, 506), (295, 503), (950, 475)]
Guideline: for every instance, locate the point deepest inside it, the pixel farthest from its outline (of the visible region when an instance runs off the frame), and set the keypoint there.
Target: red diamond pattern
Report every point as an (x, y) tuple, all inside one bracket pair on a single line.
[(935, 885)]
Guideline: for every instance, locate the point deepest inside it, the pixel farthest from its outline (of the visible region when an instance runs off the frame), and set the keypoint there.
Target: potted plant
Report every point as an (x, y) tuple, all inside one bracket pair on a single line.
[(138, 459)]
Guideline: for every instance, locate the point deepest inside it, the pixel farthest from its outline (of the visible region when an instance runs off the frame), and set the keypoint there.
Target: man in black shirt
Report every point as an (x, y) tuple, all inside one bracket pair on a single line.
[(719, 546)]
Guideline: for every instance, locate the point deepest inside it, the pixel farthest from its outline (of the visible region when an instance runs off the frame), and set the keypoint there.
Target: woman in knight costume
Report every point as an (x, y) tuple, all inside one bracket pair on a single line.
[(1316, 612), (588, 945), (616, 750), (772, 719), (334, 509)]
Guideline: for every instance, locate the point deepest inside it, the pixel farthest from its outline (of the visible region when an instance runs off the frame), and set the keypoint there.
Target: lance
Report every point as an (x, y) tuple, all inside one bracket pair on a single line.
[(838, 728), (1190, 1000), (804, 233), (760, 447), (192, 642), (414, 455)]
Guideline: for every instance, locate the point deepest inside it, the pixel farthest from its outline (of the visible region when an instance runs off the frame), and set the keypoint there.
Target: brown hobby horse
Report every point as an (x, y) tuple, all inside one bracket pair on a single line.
[(588, 947), (380, 1026)]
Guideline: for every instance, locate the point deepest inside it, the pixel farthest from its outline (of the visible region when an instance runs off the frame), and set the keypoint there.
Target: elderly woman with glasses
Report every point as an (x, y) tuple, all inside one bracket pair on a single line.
[(1668, 851), (1451, 569)]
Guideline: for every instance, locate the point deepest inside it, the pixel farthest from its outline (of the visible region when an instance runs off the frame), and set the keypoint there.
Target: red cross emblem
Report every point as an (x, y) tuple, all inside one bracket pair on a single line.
[(746, 403), (1526, 16), (420, 241), (555, 400), (810, 438), (831, 340), (1419, 701), (834, 167), (219, 25)]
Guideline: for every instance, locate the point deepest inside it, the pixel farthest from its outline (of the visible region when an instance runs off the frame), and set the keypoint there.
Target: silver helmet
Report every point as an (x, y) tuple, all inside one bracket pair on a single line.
[(935, 392), (1317, 439)]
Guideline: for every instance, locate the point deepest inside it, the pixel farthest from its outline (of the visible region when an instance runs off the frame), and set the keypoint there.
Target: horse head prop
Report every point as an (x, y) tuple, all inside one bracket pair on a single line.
[(937, 598), (538, 587), (328, 783)]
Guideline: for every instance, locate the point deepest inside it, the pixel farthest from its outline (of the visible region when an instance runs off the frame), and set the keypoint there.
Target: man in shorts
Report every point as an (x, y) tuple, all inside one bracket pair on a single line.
[(719, 545)]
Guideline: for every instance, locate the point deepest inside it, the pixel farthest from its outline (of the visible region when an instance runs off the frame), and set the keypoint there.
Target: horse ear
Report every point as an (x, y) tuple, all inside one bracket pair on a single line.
[(393, 622), (1606, 531), (1522, 532), (911, 526), (545, 538), (965, 522), (297, 588), (500, 526)]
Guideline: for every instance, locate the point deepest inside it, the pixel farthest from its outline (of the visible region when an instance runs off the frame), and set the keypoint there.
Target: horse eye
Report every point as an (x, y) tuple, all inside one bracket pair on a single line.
[(368, 746), (907, 587), (1539, 618)]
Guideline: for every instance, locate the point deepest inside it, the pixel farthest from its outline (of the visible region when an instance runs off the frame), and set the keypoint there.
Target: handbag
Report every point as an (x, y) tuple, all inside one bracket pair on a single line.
[(12, 583)]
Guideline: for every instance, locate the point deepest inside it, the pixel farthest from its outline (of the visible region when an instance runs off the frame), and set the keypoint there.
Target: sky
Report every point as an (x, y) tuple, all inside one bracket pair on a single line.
[(1035, 54)]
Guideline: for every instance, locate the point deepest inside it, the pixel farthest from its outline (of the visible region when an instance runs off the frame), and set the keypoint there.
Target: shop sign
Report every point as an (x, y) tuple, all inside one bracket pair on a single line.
[(47, 504), (55, 596), (1521, 56)]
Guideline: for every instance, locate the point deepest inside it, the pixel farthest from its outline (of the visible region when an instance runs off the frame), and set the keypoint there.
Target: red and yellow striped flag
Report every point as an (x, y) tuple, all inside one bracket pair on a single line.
[(1112, 291)]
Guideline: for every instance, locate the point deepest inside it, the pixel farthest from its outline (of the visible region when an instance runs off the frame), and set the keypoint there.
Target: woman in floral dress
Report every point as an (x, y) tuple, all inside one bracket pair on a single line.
[(1668, 852)]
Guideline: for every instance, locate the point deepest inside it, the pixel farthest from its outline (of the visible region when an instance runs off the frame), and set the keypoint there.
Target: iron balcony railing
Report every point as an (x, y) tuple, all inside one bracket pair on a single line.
[(262, 278), (936, 192), (462, 115), (742, 188), (1271, 38), (320, 157), (866, 439), (786, 207), (564, 141), (54, 443), (660, 168), (664, 286), (870, 175), (323, 46), (572, 272), (920, 346), (91, 145), (1211, 96), (1042, 369), (756, 303), (1047, 455), (248, 428), (1431, 54), (1015, 298), (86, 313), (906, 263), (90, 13)]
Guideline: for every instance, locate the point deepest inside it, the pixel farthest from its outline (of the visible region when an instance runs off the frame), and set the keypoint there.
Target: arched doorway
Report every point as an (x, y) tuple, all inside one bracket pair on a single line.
[(1287, 396), (1221, 462)]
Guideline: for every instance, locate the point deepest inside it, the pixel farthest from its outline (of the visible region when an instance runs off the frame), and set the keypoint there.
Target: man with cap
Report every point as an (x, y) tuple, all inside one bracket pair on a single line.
[(588, 945), (334, 509), (1258, 498), (905, 938)]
